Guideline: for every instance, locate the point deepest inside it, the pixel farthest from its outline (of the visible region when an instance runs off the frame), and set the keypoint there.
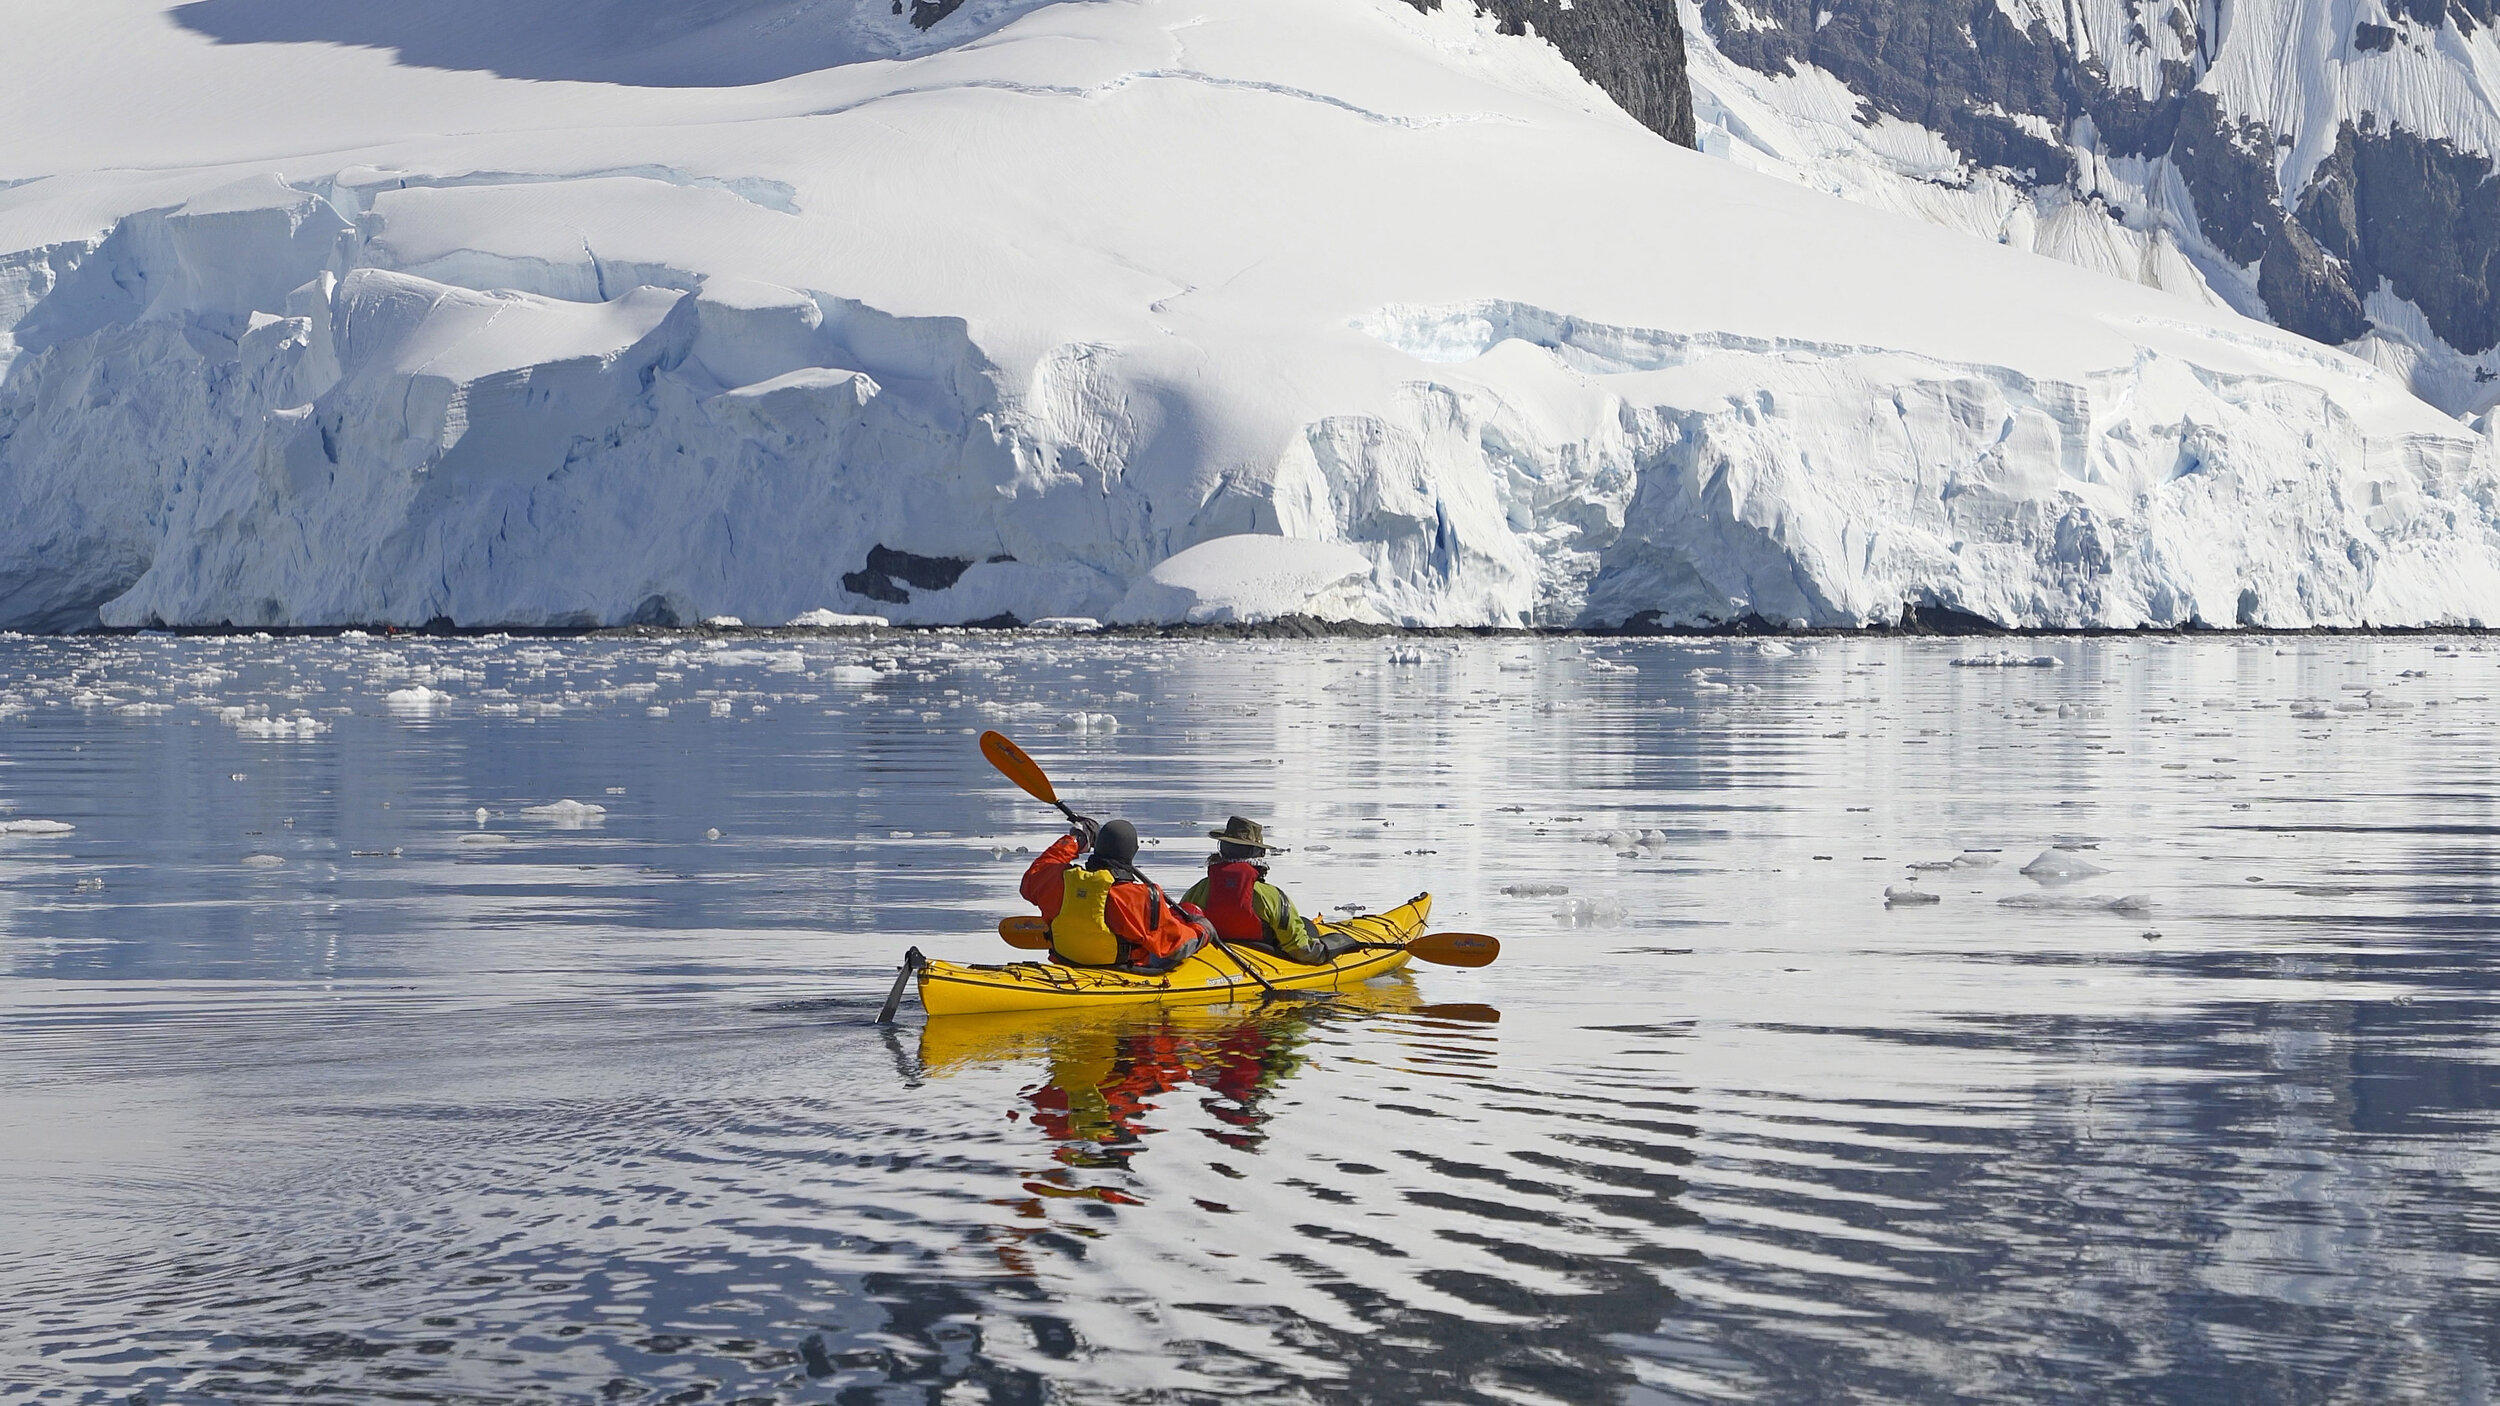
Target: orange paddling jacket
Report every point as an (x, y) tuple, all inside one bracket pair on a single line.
[(1131, 909)]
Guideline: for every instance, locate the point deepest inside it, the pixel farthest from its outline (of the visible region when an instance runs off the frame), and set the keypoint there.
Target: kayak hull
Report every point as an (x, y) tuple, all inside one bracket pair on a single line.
[(1210, 977)]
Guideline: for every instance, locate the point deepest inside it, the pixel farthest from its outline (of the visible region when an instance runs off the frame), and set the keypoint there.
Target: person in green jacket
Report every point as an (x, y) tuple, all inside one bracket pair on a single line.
[(1244, 907)]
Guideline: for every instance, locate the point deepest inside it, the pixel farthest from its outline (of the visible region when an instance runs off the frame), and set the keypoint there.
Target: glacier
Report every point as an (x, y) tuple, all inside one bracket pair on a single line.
[(2326, 165), (997, 310)]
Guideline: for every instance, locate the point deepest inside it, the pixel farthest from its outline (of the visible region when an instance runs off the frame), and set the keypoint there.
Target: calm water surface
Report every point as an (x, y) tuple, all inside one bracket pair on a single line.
[(329, 1071)]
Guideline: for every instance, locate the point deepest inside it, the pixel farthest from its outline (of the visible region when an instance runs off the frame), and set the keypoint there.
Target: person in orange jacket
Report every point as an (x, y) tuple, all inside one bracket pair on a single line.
[(1103, 913)]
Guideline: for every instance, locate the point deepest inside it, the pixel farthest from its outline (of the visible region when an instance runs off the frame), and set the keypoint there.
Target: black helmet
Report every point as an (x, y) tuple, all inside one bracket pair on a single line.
[(1116, 846)]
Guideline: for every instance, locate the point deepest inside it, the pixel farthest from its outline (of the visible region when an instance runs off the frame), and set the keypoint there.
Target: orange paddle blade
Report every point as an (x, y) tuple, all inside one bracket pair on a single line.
[(1455, 949), (1013, 764), (1028, 931)]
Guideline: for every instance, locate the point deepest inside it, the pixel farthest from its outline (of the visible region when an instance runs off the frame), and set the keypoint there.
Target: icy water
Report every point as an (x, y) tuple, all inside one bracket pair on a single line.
[(329, 1071)]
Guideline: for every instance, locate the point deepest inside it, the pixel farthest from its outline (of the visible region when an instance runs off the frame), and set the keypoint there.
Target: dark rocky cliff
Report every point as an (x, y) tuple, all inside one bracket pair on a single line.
[(2405, 207), (1634, 49)]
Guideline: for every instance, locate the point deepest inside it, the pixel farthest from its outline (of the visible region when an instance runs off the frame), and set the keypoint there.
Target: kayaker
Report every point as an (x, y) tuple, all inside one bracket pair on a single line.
[(1244, 907), (1103, 913)]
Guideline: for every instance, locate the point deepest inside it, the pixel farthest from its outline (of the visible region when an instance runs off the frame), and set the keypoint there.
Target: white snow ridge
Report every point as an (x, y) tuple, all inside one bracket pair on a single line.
[(1133, 310)]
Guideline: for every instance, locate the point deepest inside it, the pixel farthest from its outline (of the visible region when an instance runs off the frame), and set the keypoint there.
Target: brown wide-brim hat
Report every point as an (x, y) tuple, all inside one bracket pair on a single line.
[(1241, 832)]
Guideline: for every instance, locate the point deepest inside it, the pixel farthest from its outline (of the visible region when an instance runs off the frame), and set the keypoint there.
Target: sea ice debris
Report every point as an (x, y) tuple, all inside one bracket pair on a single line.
[(2057, 866), (35, 827), (2007, 659)]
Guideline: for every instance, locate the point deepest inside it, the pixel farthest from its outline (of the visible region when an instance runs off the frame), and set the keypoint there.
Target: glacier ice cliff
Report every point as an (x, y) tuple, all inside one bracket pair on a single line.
[(990, 321)]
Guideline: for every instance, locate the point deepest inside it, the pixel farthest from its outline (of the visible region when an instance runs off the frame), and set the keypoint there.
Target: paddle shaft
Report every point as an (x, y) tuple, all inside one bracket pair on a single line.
[(912, 962), (1274, 992)]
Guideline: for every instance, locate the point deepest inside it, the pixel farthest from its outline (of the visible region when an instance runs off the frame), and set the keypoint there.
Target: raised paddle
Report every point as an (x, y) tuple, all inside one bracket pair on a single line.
[(1030, 932), (1013, 764)]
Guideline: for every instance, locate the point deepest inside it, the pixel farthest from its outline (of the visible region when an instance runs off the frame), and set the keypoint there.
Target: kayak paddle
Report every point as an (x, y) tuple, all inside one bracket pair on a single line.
[(1030, 931), (1013, 764), (1456, 949)]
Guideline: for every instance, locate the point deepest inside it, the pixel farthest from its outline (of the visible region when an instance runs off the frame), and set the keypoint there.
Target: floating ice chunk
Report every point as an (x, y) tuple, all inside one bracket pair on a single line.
[(723, 622), (567, 814), (836, 620), (1609, 666), (2057, 866), (721, 707), (277, 729), (1536, 890), (35, 827), (1773, 649), (1083, 721), (712, 834), (852, 674), (1406, 655), (264, 861), (1074, 624), (1897, 896), (656, 710), (488, 838), (2007, 659), (418, 699), (2131, 904), (1589, 912)]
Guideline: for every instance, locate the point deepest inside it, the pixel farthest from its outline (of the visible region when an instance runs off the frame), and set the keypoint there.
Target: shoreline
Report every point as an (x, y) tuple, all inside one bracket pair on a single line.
[(1937, 625)]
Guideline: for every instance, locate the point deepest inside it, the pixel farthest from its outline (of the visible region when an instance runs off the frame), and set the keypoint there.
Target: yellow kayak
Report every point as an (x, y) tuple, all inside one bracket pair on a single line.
[(1210, 977)]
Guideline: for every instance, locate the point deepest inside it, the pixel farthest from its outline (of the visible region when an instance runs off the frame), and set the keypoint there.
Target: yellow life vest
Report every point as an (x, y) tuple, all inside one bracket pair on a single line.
[(1081, 935)]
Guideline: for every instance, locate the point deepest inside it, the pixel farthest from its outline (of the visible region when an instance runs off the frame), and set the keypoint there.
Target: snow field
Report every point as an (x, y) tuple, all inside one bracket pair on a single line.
[(1114, 284)]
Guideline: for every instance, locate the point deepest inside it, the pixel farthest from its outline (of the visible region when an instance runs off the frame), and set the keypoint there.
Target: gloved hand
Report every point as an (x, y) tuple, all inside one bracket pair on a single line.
[(1085, 828)]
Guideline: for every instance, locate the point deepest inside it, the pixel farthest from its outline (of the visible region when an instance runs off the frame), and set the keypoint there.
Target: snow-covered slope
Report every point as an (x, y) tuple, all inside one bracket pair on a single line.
[(325, 312), (2323, 164)]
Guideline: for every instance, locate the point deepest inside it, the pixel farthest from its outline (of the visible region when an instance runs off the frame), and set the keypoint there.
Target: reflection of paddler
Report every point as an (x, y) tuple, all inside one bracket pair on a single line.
[(1103, 1082), (1108, 1069)]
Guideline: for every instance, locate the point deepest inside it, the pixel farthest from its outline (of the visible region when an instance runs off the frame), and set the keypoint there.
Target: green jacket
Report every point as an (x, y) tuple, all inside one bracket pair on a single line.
[(1285, 927)]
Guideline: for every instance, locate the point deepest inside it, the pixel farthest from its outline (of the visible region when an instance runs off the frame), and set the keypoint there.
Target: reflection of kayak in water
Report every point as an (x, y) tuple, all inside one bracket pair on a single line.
[(951, 1044), (1114, 1077), (1212, 976)]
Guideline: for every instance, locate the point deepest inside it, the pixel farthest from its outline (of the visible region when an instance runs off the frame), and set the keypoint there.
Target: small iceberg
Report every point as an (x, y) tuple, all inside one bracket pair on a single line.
[(2131, 904), (2057, 866), (2007, 659), (568, 814)]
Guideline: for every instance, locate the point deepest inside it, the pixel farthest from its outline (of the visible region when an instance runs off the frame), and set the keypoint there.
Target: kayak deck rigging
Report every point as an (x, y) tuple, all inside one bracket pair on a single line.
[(1213, 975)]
